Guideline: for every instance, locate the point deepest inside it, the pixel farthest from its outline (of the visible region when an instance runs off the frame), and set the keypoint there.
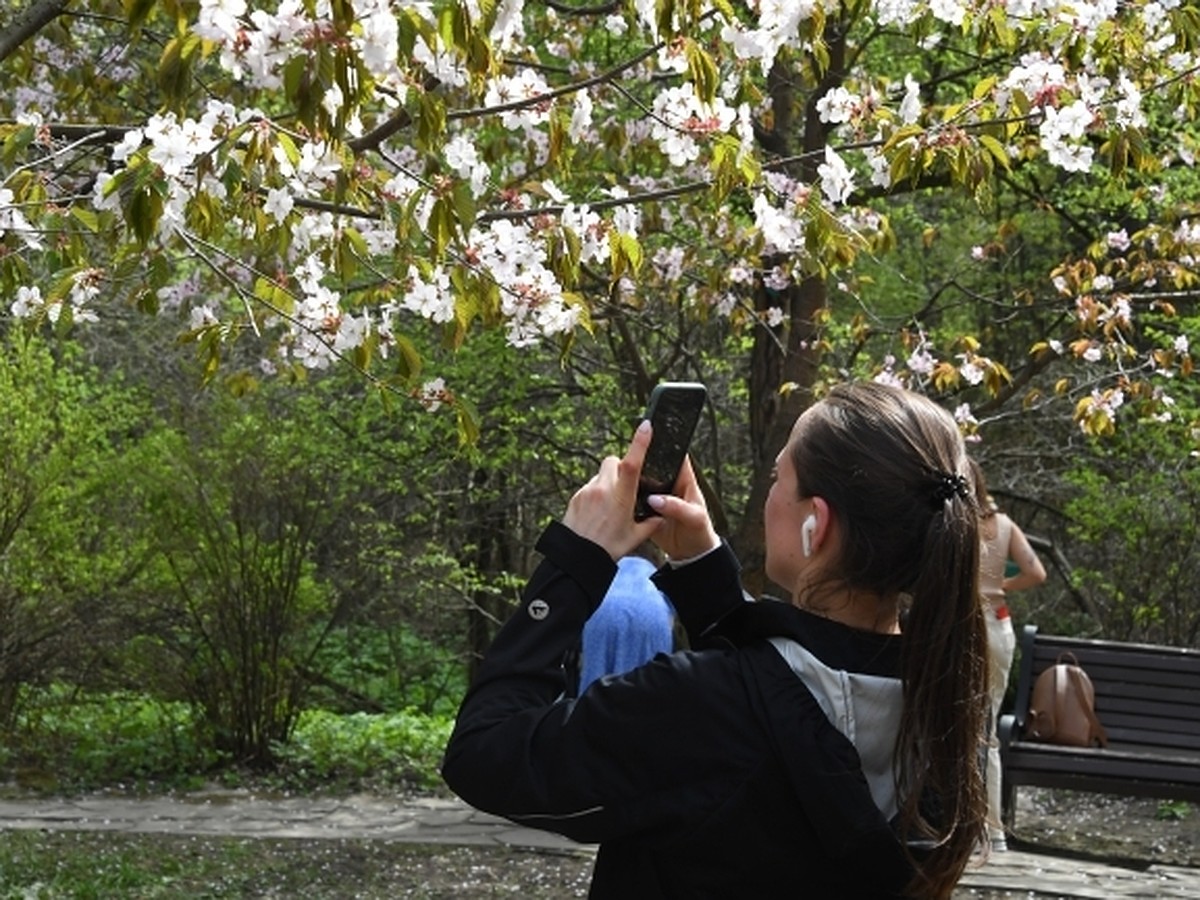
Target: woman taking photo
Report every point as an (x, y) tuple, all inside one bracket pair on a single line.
[(827, 746)]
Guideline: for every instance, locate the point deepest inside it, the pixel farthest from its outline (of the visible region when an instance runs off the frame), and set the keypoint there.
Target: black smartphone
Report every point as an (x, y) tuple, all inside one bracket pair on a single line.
[(674, 411)]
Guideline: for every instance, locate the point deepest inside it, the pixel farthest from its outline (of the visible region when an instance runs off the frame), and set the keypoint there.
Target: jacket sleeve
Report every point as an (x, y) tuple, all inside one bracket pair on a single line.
[(604, 764), (706, 594), (519, 690)]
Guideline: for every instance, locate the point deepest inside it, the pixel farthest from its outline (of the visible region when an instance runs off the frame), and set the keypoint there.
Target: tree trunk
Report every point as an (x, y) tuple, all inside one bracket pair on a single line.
[(776, 411), (786, 356), (489, 535)]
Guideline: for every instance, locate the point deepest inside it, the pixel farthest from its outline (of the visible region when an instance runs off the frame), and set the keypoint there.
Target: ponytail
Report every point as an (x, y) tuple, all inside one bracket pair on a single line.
[(944, 667), (893, 467)]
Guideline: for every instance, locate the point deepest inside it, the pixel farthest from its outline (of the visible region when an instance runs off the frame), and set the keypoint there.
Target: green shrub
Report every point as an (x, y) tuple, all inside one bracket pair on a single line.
[(84, 741), (390, 750), (1173, 810), (72, 741), (390, 665), (1135, 521)]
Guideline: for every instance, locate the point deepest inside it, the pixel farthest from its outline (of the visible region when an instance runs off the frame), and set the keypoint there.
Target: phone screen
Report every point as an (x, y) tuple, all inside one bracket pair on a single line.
[(674, 411)]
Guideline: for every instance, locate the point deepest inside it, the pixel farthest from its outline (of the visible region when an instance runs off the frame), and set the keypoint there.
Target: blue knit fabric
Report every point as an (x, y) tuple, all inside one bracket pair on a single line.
[(630, 626)]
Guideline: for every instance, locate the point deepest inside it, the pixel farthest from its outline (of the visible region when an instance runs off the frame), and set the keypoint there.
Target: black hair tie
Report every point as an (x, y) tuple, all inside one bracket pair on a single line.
[(947, 486)]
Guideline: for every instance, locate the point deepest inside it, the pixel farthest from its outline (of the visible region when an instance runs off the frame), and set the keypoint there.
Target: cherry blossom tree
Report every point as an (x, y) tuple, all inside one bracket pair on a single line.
[(318, 181)]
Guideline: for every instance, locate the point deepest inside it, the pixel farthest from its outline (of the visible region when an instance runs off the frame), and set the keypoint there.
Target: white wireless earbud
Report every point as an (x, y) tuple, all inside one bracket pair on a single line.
[(806, 534)]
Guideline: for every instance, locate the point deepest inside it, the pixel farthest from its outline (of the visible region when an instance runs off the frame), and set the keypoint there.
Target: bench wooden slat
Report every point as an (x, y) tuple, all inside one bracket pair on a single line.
[(1113, 756), (1118, 717), (1128, 694), (1170, 772), (1103, 784), (1164, 742), (1048, 642), (1180, 685), (1147, 698), (1179, 680), (1170, 660), (1172, 718)]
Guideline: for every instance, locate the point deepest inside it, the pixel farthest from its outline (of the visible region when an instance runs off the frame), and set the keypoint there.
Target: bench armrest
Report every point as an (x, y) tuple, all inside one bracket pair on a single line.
[(1007, 731), (1025, 677)]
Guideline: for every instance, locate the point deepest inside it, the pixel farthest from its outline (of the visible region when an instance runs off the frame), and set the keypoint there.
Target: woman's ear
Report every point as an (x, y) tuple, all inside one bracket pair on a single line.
[(807, 530), (814, 536)]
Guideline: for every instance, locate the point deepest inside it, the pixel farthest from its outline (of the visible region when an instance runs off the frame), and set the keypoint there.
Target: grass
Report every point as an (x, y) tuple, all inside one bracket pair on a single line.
[(130, 743), (88, 865)]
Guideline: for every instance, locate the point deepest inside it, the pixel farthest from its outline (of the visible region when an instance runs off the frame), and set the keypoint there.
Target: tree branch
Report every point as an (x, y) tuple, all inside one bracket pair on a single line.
[(28, 23), (403, 119), (573, 88), (82, 133), (380, 133), (1038, 364), (566, 9)]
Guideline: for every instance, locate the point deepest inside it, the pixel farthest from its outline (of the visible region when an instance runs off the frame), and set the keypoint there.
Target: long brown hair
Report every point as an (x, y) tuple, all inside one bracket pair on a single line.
[(893, 467)]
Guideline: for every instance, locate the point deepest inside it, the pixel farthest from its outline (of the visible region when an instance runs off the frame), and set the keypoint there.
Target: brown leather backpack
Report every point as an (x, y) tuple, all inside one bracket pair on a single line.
[(1062, 709)]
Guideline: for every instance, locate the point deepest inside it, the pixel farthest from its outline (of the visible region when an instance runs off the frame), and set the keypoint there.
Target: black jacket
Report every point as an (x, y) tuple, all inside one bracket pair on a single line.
[(708, 773)]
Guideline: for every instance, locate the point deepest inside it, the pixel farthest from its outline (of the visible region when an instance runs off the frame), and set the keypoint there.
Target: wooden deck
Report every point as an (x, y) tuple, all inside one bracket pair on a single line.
[(1025, 874)]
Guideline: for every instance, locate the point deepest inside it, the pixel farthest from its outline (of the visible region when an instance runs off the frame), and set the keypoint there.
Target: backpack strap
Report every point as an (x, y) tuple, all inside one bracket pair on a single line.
[(1097, 729)]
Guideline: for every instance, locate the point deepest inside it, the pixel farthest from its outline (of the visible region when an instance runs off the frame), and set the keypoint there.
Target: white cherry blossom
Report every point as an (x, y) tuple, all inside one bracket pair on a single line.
[(837, 181), (14, 220)]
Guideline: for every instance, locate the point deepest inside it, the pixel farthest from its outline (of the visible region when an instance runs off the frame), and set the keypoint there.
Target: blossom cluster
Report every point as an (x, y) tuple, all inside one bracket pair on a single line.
[(84, 287), (309, 207), (13, 219)]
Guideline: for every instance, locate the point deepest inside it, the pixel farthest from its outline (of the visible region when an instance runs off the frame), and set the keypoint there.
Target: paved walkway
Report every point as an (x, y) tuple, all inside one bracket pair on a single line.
[(238, 814), (443, 821)]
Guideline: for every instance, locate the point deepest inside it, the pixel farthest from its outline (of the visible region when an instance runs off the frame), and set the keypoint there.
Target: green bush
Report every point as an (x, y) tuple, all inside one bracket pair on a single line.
[(71, 741), (391, 665), (394, 750), (1135, 522), (66, 739)]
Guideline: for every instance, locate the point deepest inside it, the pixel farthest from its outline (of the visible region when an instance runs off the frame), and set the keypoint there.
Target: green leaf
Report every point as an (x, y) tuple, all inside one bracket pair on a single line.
[(464, 206), (297, 85), (356, 241), (175, 66), (274, 296), (985, 86), (627, 254), (364, 352), (241, 383), (145, 209), (664, 14), (137, 11), (289, 147), (703, 72), (441, 226), (86, 217), (452, 26), (995, 148), (343, 15), (346, 263), (408, 358), (479, 55), (210, 353), (431, 120), (726, 9), (17, 139), (468, 423)]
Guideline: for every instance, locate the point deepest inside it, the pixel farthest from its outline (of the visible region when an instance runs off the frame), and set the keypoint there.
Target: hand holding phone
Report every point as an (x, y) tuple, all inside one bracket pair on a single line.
[(674, 411)]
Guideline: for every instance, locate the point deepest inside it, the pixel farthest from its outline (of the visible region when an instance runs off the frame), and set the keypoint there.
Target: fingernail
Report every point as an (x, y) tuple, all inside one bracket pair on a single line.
[(656, 501), (644, 426)]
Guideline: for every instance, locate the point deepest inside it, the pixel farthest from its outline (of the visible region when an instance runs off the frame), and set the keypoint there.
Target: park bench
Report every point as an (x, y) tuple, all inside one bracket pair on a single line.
[(1147, 699)]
